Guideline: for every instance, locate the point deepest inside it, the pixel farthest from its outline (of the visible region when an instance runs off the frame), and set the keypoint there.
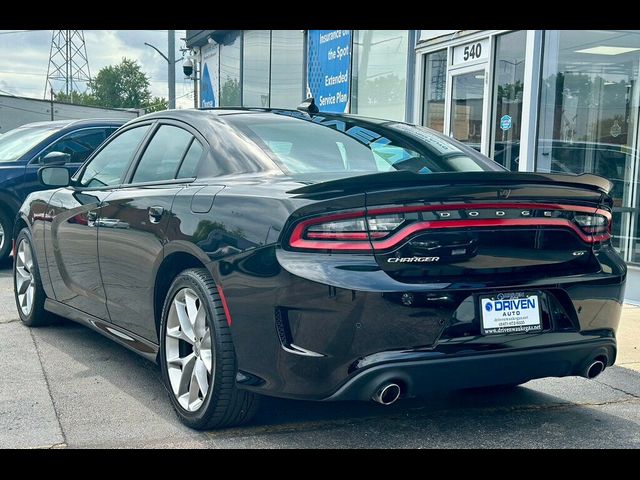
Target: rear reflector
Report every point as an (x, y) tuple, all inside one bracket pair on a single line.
[(385, 228), (225, 307)]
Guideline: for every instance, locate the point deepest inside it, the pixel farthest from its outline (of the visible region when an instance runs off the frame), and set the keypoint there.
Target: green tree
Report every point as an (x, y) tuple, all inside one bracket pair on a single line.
[(124, 85), (156, 104), (77, 98), (230, 93)]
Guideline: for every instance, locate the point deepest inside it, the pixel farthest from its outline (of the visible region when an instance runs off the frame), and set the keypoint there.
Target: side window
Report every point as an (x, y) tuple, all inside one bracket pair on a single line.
[(163, 155), (110, 163), (190, 161), (78, 145)]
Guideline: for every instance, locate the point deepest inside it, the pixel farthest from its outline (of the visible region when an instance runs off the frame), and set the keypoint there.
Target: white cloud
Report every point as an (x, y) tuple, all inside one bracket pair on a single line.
[(24, 59)]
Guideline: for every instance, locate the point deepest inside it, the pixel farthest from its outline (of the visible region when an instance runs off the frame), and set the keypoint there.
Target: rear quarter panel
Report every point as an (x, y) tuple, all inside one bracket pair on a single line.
[(35, 213)]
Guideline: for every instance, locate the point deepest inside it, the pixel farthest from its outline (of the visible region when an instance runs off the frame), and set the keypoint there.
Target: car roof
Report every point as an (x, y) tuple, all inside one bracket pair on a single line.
[(203, 114), (85, 122)]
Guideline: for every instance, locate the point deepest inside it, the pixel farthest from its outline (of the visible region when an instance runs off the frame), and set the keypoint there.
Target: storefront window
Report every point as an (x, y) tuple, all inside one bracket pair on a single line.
[(287, 62), (255, 68), (379, 74), (230, 70), (507, 91), (435, 75), (588, 117)]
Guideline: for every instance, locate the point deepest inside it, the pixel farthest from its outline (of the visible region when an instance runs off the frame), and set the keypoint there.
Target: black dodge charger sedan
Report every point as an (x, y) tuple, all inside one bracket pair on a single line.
[(322, 257)]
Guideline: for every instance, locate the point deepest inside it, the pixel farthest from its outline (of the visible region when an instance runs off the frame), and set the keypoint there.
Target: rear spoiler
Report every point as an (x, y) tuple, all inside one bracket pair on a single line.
[(405, 179)]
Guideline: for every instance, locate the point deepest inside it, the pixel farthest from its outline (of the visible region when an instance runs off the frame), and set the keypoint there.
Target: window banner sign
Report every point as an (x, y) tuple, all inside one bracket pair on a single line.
[(329, 69), (209, 80)]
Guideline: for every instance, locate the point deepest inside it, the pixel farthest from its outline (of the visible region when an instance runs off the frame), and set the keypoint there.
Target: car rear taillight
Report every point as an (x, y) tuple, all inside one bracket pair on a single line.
[(385, 228), (593, 224), (362, 228), (351, 231)]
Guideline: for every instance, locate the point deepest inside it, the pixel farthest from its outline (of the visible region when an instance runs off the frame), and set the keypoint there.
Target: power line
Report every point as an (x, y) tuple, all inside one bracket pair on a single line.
[(19, 31), (8, 93), (24, 73), (24, 109)]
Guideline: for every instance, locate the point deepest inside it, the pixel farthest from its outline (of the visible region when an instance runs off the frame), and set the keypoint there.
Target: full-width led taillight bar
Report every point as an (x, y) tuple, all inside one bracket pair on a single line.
[(385, 227)]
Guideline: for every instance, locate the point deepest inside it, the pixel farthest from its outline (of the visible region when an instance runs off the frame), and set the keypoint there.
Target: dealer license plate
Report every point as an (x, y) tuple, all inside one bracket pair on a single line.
[(510, 312)]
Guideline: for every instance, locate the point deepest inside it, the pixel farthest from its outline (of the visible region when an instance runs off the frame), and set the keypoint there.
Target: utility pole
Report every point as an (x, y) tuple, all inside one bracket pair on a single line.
[(51, 104), (195, 84), (171, 72), (171, 61)]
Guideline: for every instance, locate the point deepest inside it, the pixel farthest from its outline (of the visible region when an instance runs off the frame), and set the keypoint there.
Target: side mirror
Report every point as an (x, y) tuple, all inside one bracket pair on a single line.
[(55, 158), (54, 176)]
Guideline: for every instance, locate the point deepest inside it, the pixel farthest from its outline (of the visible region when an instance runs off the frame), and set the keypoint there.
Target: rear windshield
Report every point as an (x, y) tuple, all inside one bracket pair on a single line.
[(302, 144)]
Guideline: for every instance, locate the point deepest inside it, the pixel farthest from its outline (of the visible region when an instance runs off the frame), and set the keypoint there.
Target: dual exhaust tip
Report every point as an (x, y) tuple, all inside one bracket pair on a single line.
[(595, 368), (387, 394)]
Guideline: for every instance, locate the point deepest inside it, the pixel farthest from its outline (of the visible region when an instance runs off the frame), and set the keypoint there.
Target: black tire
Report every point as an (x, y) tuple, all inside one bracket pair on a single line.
[(38, 315), (7, 228), (224, 405)]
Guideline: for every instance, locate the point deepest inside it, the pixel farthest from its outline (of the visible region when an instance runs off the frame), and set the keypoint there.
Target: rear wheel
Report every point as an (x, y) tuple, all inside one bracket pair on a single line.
[(27, 287), (5, 236), (197, 357)]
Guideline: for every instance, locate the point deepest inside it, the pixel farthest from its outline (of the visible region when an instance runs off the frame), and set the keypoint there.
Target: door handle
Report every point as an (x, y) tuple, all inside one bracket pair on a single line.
[(155, 214)]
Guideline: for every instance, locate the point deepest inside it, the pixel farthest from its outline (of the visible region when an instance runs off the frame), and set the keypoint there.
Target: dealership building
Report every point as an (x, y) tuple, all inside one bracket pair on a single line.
[(563, 101)]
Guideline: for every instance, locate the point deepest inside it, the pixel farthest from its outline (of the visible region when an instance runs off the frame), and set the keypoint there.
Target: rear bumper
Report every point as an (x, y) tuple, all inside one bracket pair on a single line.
[(477, 370), (309, 327)]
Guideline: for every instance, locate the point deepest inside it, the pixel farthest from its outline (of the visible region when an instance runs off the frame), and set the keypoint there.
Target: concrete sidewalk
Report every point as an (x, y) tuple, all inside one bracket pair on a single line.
[(629, 338)]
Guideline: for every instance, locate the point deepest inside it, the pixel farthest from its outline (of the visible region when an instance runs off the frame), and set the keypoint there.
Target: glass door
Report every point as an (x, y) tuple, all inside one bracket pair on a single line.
[(467, 106)]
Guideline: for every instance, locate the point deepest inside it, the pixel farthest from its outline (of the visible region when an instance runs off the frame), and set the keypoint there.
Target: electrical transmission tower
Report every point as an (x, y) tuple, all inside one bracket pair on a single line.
[(68, 69)]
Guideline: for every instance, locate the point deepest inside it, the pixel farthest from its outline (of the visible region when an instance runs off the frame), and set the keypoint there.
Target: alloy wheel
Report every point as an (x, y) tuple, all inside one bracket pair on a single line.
[(188, 352), (2, 236), (25, 281)]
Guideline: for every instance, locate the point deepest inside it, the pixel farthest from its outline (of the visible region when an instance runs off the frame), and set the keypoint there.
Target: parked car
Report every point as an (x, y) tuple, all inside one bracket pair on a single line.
[(320, 257), (25, 149)]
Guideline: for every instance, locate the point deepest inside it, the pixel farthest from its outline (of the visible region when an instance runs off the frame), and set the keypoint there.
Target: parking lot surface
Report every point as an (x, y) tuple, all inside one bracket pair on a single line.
[(65, 386)]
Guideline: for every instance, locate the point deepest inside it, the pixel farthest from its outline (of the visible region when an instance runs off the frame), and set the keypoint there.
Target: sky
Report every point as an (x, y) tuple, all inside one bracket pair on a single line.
[(24, 57)]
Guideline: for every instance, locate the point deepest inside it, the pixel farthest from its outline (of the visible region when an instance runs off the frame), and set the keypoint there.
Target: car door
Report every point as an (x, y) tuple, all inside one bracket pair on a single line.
[(77, 145), (71, 241), (133, 225)]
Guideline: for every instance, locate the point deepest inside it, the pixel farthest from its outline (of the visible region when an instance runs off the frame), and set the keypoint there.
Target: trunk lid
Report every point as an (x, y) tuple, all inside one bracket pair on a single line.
[(470, 225), (483, 224)]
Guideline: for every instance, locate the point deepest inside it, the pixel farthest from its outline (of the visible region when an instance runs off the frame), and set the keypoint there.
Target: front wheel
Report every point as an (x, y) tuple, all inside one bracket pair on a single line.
[(28, 291), (197, 357)]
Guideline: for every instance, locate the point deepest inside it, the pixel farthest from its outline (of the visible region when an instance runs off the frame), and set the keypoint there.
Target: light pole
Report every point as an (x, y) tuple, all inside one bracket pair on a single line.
[(171, 61)]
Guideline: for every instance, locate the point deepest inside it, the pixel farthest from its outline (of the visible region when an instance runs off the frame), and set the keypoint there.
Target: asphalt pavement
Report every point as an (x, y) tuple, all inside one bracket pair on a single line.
[(65, 386)]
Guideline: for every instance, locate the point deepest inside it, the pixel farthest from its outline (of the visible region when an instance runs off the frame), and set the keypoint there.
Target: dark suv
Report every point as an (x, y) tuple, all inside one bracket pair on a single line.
[(25, 149)]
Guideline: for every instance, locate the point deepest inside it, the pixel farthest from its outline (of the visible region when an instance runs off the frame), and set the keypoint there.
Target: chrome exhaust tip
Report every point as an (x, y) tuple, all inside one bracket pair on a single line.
[(594, 369), (387, 394)]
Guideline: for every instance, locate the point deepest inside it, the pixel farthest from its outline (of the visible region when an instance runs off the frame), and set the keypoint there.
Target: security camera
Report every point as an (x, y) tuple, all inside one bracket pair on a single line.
[(187, 67), (210, 41)]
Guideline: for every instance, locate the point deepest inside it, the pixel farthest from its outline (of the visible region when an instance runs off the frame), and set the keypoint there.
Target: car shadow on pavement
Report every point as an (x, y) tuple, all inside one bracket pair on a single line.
[(71, 351), (280, 411), (89, 373)]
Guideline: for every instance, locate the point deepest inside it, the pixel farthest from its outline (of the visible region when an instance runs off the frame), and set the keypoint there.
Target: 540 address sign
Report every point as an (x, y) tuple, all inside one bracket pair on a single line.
[(471, 52)]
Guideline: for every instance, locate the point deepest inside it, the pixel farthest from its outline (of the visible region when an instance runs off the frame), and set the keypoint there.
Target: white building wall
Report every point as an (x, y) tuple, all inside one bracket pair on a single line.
[(16, 111)]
